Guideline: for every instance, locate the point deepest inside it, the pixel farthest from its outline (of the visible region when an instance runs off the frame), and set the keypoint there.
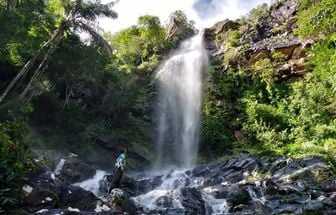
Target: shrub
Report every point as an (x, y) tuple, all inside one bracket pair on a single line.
[(15, 162)]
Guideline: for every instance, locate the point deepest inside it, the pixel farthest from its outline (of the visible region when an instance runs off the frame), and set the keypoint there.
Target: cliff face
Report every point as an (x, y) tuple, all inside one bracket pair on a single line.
[(265, 31), (254, 62)]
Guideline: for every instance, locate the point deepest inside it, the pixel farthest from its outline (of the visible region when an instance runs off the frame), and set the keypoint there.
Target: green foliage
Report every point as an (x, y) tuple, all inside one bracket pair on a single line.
[(258, 14), (232, 38), (220, 108), (316, 18), (92, 95), (278, 57), (138, 47), (15, 160), (294, 118), (265, 70), (18, 41), (279, 117)]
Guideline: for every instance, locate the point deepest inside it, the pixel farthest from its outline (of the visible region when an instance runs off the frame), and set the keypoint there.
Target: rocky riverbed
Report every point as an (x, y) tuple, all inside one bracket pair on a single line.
[(241, 185)]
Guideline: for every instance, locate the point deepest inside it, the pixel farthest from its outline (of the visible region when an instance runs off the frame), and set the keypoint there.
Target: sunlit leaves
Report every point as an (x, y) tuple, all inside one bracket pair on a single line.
[(138, 44), (317, 18)]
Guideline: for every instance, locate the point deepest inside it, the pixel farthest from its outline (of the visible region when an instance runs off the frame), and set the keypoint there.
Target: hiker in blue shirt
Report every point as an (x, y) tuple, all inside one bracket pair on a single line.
[(121, 161), (118, 170)]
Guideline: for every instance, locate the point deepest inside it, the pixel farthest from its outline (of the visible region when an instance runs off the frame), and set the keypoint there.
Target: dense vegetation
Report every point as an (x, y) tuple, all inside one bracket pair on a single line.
[(73, 92), (292, 116), (64, 93)]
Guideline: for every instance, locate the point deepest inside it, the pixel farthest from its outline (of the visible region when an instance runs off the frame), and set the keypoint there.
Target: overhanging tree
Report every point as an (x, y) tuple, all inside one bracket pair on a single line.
[(80, 15)]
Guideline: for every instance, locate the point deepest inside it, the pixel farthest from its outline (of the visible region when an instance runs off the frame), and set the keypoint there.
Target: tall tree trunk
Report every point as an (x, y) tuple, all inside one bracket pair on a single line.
[(52, 42), (68, 93), (34, 77)]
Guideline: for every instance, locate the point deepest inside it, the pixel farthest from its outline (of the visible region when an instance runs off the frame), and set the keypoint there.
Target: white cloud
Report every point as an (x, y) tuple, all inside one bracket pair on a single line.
[(129, 11)]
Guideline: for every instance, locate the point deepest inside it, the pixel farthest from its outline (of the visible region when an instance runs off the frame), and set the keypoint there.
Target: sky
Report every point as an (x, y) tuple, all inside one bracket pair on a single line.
[(204, 12)]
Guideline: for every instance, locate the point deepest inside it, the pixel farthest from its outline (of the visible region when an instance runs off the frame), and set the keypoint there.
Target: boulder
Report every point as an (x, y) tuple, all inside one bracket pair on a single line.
[(40, 198), (329, 186), (313, 206), (288, 209), (224, 26), (178, 31), (76, 197), (127, 184), (119, 199), (174, 28), (75, 170), (259, 55), (110, 143), (49, 158), (192, 201), (239, 197), (164, 202)]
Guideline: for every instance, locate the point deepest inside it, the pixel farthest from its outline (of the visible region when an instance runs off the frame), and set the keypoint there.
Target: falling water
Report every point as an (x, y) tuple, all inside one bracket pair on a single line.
[(59, 166), (179, 105)]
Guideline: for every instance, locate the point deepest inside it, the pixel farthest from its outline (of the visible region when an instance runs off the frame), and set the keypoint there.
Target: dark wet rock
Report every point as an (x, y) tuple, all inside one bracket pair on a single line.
[(40, 199), (75, 170), (288, 209), (273, 188), (129, 185), (73, 211), (135, 152), (299, 168), (329, 186), (250, 185), (50, 158), (77, 197), (146, 185), (332, 197), (240, 197), (110, 143), (224, 192), (192, 201), (165, 211), (327, 201), (47, 191), (164, 202), (295, 198), (313, 206), (42, 191), (241, 207), (228, 171), (315, 193), (119, 199)]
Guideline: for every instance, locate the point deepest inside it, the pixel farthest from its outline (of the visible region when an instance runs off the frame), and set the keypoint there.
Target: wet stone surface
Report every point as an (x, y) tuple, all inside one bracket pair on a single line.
[(241, 185)]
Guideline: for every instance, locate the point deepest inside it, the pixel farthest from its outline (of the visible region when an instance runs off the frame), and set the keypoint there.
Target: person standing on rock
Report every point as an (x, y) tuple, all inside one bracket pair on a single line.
[(118, 170)]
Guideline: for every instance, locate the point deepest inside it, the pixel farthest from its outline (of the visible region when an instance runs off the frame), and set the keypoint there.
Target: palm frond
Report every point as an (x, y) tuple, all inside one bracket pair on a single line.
[(92, 11), (95, 36)]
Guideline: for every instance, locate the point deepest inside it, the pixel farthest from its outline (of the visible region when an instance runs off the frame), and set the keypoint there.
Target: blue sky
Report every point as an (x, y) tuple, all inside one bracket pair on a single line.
[(204, 12)]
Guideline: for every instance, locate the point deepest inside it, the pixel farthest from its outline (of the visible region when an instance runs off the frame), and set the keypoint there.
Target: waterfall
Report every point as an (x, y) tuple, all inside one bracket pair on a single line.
[(178, 108)]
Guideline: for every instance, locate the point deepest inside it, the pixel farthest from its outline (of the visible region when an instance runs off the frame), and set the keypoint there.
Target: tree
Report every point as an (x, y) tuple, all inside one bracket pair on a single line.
[(140, 44), (80, 16)]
